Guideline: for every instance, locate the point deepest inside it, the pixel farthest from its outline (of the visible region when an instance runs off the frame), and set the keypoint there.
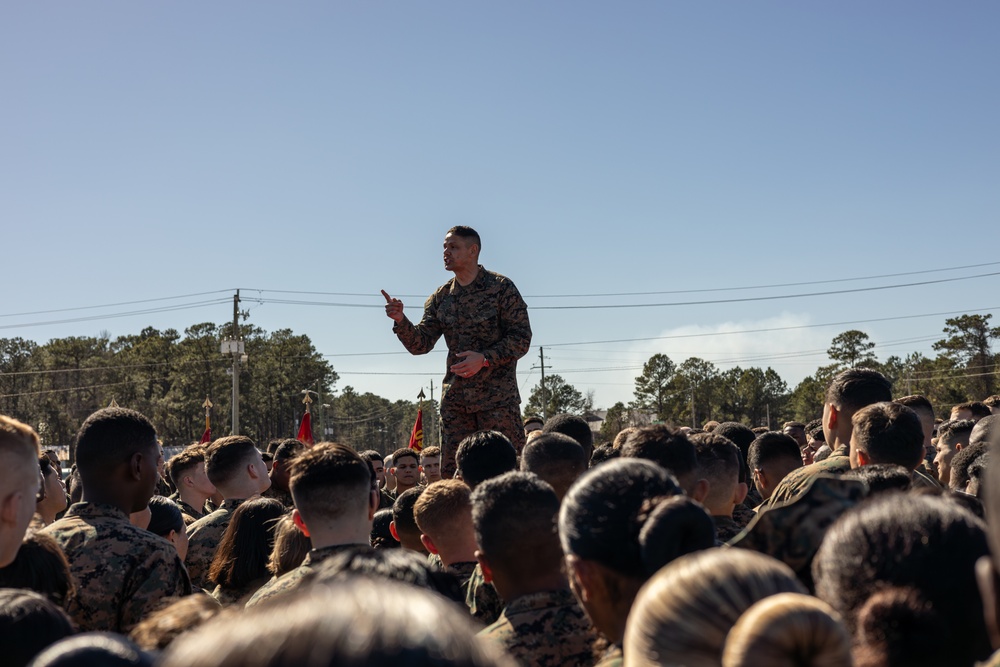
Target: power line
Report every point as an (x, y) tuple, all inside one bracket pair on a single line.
[(147, 311), (114, 305), (112, 368)]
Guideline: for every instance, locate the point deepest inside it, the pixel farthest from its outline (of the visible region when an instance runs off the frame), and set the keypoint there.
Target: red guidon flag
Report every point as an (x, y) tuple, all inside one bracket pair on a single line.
[(206, 437), (305, 429), (417, 435)]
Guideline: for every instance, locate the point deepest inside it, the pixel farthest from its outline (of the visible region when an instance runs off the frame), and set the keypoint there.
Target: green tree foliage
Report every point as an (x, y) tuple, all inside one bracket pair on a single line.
[(852, 349), (968, 345), (654, 388), (615, 420), (556, 397)]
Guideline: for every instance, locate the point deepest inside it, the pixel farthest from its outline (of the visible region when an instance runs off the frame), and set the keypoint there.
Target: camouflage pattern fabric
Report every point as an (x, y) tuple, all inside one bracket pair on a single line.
[(725, 529), (121, 572), (547, 629), (487, 316), (204, 536), (743, 514), (457, 424), (481, 598), (463, 571), (385, 499), (237, 597), (922, 480), (797, 480), (793, 532), (189, 513), (289, 581), (284, 497)]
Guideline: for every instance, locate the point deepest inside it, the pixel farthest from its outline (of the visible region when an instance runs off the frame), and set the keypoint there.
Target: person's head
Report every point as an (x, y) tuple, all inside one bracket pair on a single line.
[(882, 477), (381, 537), (772, 456), (92, 649), (187, 471), (575, 427), (354, 621), (245, 547), (921, 548), (962, 462), (672, 450), (235, 467), (685, 611), (602, 453), (983, 431), (159, 629), (390, 480), (788, 630), (993, 403), (29, 623), (290, 547), (533, 423), (974, 410), (378, 464), (515, 527), (404, 527), (848, 392), (558, 459), (953, 437), (286, 450), (40, 566), (623, 435), (600, 521), (52, 497), (334, 493), (925, 411), (406, 468), (738, 434), (116, 455), (443, 514), (887, 433), (167, 521), (482, 455), (796, 431), (430, 464), (719, 463), (461, 249)]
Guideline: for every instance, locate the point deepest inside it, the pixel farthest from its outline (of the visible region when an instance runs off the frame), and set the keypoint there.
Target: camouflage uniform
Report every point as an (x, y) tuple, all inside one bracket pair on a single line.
[(385, 499), (121, 572), (795, 482), (543, 629), (237, 597), (288, 581), (725, 529), (189, 513), (481, 598), (463, 571), (283, 497), (204, 536), (487, 316)]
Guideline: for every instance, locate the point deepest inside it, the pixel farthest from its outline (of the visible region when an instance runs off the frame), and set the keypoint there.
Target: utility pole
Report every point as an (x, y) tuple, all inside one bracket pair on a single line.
[(235, 347), (545, 394)]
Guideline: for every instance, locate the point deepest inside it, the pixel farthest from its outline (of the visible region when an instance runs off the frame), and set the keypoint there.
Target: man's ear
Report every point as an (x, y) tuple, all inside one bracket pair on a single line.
[(252, 471), (760, 479), (484, 565), (700, 490), (428, 543), (741, 493), (392, 531), (135, 466), (186, 480), (958, 446), (831, 417), (297, 520), (989, 591), (863, 459), (584, 574), (10, 508)]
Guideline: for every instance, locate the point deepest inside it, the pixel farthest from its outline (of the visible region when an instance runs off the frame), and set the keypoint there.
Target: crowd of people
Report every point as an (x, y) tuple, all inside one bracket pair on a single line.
[(862, 538)]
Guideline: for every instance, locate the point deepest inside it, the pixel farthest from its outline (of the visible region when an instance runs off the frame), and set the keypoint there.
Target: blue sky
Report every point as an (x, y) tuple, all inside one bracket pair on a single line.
[(153, 150)]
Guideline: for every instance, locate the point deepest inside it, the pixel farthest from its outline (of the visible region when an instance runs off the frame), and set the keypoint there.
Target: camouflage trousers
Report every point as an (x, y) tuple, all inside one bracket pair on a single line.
[(457, 424)]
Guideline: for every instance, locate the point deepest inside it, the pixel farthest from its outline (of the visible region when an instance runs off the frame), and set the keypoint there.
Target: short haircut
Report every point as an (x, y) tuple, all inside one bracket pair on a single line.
[(484, 454), (19, 442), (573, 426), (515, 517), (917, 403), (962, 461), (984, 429), (110, 437), (741, 436), (180, 464), (952, 431), (164, 516), (404, 452), (992, 401), (372, 456), (158, 630), (664, 445), (29, 623), (288, 449), (440, 506), (556, 458), (402, 510), (94, 648), (228, 455), (977, 408), (329, 480), (533, 419), (467, 233), (882, 477), (855, 388), (719, 462), (381, 537), (771, 446), (622, 436), (889, 433), (430, 452), (602, 453), (792, 425)]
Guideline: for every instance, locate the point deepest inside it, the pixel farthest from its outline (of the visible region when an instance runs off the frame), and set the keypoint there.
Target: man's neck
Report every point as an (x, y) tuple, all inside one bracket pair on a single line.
[(332, 536), (193, 498), (402, 488), (466, 277), (511, 588), (119, 501)]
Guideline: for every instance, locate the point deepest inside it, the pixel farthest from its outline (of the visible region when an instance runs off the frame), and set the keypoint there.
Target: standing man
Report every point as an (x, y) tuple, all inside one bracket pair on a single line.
[(484, 321)]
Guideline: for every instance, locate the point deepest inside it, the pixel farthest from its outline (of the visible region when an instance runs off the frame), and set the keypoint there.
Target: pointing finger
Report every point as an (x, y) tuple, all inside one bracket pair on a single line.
[(388, 299)]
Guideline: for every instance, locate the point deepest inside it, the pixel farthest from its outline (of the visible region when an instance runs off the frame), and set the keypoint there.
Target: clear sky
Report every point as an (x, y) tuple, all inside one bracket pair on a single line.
[(153, 150)]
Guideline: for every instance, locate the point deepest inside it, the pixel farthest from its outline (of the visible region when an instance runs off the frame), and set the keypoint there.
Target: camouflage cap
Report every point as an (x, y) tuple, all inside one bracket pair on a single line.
[(795, 482), (792, 532)]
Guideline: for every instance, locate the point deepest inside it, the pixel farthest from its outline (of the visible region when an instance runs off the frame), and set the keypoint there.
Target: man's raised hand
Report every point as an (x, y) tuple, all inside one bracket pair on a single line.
[(393, 307)]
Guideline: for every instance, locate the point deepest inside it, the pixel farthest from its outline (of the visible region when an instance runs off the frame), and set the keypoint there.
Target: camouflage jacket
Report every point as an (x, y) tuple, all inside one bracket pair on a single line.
[(283, 497), (487, 316), (204, 536), (189, 513), (121, 572), (726, 528), (544, 629), (481, 598), (795, 482), (463, 571), (287, 582), (237, 597)]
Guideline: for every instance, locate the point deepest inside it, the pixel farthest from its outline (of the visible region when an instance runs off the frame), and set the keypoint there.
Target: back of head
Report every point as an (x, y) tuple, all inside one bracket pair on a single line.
[(888, 433), (483, 455), (674, 527), (402, 514), (29, 623), (740, 435), (158, 630), (94, 649), (110, 437), (183, 462), (788, 630), (600, 516), (666, 446), (575, 427), (984, 429), (442, 507), (329, 481), (683, 614), (381, 534), (40, 566), (514, 517), (855, 388), (719, 462), (164, 516), (957, 431), (288, 449), (602, 453), (351, 623), (917, 403), (897, 626), (963, 461), (556, 458), (772, 446), (19, 452), (892, 542), (226, 457), (881, 477)]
